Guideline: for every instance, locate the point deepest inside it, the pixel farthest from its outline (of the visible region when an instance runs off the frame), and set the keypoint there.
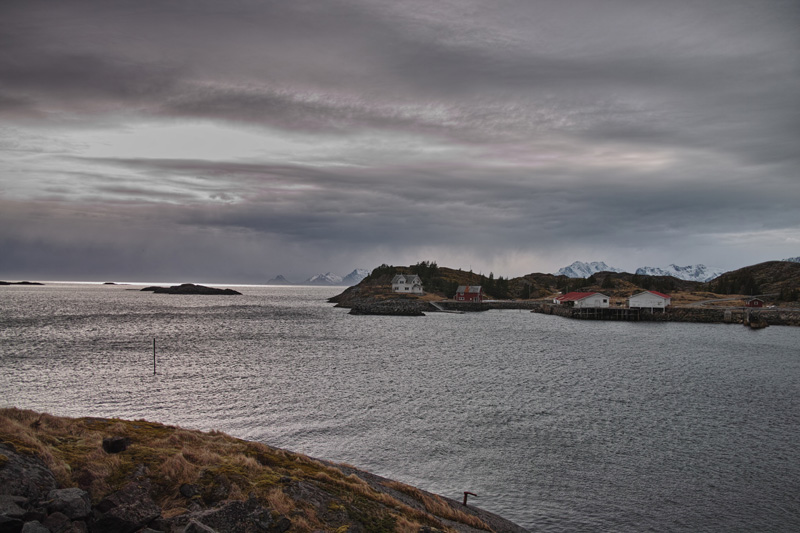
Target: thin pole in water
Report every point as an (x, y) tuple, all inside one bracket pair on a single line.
[(154, 356)]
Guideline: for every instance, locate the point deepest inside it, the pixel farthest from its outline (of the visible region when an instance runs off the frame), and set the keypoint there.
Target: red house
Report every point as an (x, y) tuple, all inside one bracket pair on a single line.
[(754, 302), (469, 293)]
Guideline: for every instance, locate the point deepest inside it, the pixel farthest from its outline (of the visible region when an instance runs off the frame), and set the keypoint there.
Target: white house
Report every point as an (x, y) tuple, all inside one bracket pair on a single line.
[(649, 299), (581, 300), (407, 283)]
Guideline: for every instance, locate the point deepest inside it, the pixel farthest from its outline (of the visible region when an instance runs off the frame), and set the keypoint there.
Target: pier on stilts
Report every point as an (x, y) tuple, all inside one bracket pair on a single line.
[(606, 313)]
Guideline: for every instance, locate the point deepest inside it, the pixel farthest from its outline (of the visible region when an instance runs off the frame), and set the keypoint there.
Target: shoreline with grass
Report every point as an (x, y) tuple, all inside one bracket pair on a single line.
[(110, 475)]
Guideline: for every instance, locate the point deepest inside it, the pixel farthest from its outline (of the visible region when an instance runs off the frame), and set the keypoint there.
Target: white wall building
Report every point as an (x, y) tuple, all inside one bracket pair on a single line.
[(407, 284), (649, 299), (582, 300)]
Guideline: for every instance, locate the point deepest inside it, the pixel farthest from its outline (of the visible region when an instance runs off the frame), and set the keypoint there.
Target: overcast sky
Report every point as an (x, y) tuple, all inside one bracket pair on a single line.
[(234, 141)]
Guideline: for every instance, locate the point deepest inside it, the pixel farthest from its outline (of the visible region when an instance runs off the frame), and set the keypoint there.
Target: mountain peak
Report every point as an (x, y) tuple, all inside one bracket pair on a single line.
[(279, 280), (355, 277), (698, 272), (328, 278), (579, 269)]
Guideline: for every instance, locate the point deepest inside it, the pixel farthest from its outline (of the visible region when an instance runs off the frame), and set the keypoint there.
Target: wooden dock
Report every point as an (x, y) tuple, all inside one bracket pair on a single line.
[(607, 313)]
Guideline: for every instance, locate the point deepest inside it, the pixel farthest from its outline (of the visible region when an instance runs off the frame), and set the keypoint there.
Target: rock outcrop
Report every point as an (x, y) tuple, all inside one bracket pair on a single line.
[(191, 288), (57, 476), (395, 307)]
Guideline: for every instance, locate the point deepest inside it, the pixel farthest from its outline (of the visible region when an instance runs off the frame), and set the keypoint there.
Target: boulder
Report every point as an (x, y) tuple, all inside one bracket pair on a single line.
[(24, 475), (196, 527), (10, 525), (34, 527), (189, 491), (58, 523), (116, 444), (129, 509), (10, 506), (237, 517), (73, 502)]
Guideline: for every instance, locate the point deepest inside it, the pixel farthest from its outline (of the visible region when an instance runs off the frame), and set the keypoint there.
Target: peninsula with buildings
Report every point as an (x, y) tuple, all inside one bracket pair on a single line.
[(758, 295)]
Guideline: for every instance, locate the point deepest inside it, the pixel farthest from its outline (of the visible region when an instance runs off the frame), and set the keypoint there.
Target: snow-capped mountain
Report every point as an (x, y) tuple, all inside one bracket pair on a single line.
[(279, 280), (793, 259), (579, 269), (328, 278), (355, 277), (697, 272)]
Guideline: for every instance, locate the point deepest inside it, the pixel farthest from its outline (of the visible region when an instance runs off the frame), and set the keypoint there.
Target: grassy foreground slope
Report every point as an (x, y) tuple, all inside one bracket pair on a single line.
[(218, 468)]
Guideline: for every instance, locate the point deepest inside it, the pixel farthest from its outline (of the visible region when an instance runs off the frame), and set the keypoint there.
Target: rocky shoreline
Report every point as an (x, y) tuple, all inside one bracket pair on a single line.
[(411, 306), (92, 475), (737, 315)]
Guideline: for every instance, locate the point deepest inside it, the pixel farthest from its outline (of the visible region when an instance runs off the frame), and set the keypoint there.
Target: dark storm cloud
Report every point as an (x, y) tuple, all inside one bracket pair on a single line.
[(513, 125)]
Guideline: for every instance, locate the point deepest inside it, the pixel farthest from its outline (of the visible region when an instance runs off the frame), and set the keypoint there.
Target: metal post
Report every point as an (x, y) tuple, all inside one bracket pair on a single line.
[(468, 494)]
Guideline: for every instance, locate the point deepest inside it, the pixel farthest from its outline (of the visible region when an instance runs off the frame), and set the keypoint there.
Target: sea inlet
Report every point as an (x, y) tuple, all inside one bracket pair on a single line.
[(556, 424)]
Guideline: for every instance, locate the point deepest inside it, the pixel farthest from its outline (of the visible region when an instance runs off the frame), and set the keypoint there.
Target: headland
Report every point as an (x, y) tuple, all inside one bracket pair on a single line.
[(112, 475)]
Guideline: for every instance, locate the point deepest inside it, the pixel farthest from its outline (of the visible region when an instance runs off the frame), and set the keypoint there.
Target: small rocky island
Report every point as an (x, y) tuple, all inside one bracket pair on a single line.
[(191, 288), (20, 283), (101, 475)]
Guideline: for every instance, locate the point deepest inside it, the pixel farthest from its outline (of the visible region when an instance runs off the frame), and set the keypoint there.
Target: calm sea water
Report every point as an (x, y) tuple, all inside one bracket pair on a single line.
[(556, 424)]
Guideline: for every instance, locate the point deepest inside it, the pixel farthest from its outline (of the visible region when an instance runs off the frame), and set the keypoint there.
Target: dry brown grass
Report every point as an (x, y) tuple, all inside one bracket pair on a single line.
[(437, 506), (279, 501), (171, 456)]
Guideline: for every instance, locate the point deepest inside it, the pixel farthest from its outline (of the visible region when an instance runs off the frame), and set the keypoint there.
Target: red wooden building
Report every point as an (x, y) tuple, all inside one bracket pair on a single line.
[(754, 302), (469, 293)]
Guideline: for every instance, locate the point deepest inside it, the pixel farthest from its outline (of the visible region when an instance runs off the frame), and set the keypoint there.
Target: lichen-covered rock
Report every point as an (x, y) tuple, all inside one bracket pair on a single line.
[(234, 517), (127, 510), (74, 503), (24, 475), (10, 505)]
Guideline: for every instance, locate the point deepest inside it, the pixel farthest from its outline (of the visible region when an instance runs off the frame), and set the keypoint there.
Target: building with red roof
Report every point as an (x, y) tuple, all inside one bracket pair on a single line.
[(469, 293), (650, 299), (581, 300)]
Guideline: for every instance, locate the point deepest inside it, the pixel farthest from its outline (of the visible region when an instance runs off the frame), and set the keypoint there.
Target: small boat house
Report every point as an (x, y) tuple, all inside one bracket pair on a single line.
[(469, 293), (649, 300), (583, 300)]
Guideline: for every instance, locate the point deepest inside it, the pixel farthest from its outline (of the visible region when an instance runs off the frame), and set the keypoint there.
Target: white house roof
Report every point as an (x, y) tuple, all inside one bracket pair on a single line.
[(407, 278)]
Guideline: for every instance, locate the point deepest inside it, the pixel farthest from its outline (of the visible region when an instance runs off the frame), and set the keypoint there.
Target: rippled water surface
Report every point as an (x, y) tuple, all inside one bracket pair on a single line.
[(559, 425)]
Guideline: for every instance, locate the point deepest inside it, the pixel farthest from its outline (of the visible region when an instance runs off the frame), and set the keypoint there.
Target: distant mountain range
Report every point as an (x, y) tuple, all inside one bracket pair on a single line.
[(279, 280), (326, 279), (579, 269), (793, 259), (698, 272)]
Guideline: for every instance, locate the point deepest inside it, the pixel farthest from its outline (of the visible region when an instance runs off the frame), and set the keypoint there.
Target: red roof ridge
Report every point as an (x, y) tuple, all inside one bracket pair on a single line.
[(571, 296), (660, 294)]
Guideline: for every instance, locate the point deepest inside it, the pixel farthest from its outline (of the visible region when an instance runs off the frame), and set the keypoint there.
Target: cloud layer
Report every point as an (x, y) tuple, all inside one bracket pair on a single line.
[(241, 140)]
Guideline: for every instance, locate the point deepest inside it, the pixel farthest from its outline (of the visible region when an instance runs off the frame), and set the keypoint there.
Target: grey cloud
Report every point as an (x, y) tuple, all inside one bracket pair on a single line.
[(517, 111)]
